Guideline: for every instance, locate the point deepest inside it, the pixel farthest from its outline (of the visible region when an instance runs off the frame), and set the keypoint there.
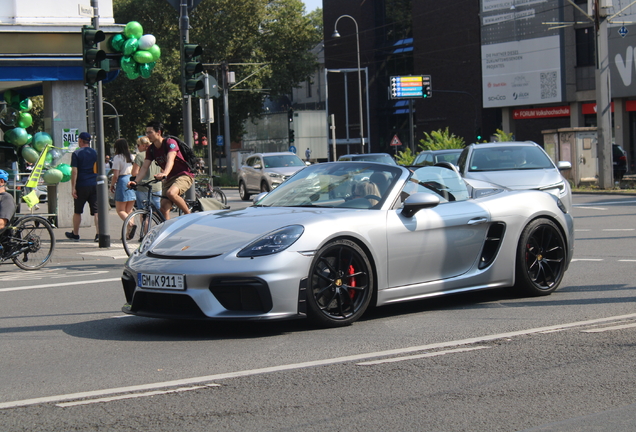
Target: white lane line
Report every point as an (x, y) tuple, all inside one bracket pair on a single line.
[(626, 260), (135, 395), (618, 229), (303, 365), (608, 203), (59, 284), (582, 230), (419, 356), (604, 329), (586, 259), (589, 208)]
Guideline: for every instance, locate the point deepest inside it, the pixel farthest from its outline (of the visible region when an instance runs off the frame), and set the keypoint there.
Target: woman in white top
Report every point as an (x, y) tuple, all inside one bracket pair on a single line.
[(124, 197)]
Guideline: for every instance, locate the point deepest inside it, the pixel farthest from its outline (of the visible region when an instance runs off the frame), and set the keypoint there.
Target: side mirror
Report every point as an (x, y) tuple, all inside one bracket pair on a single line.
[(564, 165), (257, 166), (419, 201)]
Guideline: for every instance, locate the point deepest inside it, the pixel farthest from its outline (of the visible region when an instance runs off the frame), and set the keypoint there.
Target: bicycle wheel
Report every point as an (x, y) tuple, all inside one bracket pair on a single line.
[(218, 195), (34, 238), (142, 223)]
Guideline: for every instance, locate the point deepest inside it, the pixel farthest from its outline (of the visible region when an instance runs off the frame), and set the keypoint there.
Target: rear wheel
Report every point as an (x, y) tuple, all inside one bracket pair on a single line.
[(245, 196), (141, 223), (34, 237), (340, 284), (541, 258)]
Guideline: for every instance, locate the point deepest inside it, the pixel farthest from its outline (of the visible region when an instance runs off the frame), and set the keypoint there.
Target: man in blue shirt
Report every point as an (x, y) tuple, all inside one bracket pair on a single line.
[(83, 184)]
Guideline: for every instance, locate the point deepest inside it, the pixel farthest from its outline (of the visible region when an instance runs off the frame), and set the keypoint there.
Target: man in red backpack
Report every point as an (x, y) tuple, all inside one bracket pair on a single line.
[(175, 172)]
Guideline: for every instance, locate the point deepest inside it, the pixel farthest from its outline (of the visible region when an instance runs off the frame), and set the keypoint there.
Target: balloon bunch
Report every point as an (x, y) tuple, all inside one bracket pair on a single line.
[(141, 52), (16, 115)]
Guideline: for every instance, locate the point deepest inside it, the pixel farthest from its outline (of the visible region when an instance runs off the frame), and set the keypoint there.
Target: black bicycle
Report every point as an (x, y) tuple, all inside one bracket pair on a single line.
[(28, 241), (205, 188)]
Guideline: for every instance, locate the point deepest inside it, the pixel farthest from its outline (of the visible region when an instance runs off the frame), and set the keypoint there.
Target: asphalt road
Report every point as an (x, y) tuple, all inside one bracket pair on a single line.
[(487, 361)]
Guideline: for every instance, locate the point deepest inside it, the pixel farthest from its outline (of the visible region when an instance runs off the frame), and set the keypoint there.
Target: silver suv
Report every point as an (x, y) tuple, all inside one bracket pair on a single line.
[(262, 172)]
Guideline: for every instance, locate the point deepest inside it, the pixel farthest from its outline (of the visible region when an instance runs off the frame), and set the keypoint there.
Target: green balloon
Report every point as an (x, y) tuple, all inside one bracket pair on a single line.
[(48, 159), (117, 42), (8, 96), (26, 105), (8, 136), (29, 139), (132, 75), (155, 51), (29, 154), (143, 57), (41, 140), (20, 136), (65, 169), (145, 70), (127, 64), (133, 30), (15, 101), (131, 46), (25, 120), (52, 176)]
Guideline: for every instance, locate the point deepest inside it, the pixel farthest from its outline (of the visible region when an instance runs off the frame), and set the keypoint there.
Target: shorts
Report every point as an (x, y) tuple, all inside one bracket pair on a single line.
[(183, 182), (85, 194), (122, 193)]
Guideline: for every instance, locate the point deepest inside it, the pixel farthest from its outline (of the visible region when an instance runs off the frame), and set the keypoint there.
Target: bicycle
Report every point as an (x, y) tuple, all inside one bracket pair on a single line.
[(28, 241), (205, 189)]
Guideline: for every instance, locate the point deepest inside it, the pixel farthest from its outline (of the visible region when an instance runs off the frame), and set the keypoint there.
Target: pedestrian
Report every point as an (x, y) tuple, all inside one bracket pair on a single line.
[(83, 185), (7, 203), (108, 165), (124, 197), (175, 172), (307, 154), (142, 192)]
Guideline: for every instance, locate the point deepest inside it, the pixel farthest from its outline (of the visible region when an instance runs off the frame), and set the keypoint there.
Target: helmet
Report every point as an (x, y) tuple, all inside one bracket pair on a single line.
[(4, 175)]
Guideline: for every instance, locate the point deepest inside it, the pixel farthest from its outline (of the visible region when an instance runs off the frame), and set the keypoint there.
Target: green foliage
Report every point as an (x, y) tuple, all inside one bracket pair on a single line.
[(440, 140), (265, 42), (501, 136), (405, 157)]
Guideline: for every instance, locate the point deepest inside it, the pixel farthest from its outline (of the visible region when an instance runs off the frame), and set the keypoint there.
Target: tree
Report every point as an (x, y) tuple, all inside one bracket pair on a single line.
[(501, 136), (440, 139), (266, 43)]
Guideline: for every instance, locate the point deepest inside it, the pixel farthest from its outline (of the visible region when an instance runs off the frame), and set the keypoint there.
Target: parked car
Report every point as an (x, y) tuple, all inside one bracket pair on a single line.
[(619, 160), (431, 157), (370, 157), (262, 172), (516, 165), (328, 243)]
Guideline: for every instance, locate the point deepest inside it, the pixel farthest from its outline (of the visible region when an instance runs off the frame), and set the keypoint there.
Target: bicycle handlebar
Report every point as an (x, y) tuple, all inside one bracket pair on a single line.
[(144, 184)]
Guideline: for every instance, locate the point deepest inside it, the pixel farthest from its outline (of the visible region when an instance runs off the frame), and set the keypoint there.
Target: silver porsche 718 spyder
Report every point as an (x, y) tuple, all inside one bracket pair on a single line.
[(338, 237)]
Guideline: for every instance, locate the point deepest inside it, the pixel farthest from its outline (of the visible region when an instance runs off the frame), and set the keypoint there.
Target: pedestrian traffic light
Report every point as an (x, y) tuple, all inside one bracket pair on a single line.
[(290, 115), (192, 67), (478, 134), (92, 55), (292, 136)]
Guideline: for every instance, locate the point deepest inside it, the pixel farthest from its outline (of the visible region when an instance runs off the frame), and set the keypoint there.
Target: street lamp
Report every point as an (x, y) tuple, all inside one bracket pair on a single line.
[(337, 35)]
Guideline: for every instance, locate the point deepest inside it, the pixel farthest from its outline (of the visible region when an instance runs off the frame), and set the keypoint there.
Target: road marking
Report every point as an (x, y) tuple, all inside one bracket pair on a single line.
[(586, 259), (419, 356), (626, 260), (582, 230), (64, 284), (303, 365), (618, 229), (135, 395), (590, 208), (604, 329), (608, 203)]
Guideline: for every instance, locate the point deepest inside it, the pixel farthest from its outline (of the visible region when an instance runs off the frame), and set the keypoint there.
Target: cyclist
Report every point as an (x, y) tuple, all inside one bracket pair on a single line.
[(175, 173), (7, 203)]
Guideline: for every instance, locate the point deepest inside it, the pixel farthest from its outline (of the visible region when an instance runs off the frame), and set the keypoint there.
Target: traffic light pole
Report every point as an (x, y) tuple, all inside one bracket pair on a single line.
[(184, 24), (102, 180)]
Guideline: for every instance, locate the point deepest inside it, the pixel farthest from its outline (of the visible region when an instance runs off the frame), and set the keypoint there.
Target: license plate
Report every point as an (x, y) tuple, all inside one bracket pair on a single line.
[(161, 281)]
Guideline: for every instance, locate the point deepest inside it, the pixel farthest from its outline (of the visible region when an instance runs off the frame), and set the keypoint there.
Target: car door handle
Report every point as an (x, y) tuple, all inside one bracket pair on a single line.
[(477, 221)]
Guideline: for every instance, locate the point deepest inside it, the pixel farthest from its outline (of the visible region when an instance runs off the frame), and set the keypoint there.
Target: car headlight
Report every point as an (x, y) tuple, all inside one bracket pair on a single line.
[(558, 190), (276, 176), (149, 238), (273, 242)]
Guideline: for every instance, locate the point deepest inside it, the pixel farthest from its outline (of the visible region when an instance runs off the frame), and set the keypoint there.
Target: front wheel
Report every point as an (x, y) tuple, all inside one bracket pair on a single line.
[(541, 258), (140, 223), (34, 238), (340, 284), (243, 193)]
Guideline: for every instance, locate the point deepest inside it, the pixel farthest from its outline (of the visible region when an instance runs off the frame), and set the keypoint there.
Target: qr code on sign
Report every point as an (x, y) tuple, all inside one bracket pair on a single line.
[(548, 85)]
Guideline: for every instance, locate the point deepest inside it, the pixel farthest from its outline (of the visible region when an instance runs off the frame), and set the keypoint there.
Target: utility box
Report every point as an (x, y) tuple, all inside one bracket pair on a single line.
[(577, 146)]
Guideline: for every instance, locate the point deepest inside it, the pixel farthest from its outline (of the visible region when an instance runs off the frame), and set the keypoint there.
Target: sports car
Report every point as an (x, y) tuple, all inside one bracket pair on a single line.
[(337, 238)]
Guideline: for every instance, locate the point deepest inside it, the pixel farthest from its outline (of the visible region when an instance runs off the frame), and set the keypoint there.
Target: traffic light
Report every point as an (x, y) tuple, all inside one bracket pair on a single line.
[(93, 56), (427, 88), (290, 115), (192, 67), (478, 134), (292, 136)]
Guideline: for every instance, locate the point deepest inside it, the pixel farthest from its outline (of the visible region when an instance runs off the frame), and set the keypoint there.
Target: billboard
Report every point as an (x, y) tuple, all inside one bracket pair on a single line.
[(520, 56)]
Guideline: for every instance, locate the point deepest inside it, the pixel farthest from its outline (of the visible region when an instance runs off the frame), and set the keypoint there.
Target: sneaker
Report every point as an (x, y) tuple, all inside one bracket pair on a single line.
[(71, 236), (96, 238)]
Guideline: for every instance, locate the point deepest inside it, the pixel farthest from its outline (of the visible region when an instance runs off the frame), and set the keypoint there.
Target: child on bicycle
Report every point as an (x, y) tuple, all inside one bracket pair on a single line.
[(7, 203)]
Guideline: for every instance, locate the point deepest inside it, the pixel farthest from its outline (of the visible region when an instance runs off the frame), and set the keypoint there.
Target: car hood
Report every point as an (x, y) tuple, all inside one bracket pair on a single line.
[(208, 234), (519, 179)]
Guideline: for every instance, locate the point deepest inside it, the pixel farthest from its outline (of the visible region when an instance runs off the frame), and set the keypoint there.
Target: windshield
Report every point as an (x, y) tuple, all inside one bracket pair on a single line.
[(340, 184), (384, 158), (280, 161), (509, 158)]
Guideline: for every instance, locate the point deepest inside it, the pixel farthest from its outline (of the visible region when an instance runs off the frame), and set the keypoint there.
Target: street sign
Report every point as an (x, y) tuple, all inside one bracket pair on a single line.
[(219, 140), (85, 11), (396, 141), (292, 149), (406, 87)]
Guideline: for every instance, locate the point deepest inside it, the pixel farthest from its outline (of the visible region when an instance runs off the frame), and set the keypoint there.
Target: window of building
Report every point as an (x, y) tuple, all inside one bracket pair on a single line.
[(585, 47), (308, 82)]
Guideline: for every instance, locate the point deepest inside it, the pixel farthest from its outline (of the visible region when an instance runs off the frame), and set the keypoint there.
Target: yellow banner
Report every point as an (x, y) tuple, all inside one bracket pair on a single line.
[(31, 198), (34, 178)]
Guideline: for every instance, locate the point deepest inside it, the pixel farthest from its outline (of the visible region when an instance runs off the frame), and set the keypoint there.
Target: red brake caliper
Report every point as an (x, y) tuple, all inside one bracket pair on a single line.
[(352, 282)]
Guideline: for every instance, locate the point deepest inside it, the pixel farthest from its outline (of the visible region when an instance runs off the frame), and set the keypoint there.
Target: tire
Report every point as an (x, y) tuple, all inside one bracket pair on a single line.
[(139, 218), (265, 187), (218, 195), (243, 193), (340, 284), (541, 258), (38, 234)]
